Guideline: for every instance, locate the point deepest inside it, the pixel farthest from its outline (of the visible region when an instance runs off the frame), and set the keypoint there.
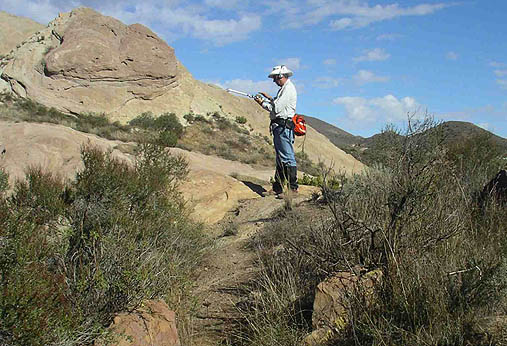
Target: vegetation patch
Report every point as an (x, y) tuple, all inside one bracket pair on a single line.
[(417, 219), (164, 129), (217, 135), (72, 256)]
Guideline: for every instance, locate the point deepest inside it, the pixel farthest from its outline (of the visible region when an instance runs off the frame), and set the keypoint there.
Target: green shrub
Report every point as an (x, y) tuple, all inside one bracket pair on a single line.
[(145, 121), (73, 256), (223, 123), (416, 218), (241, 119), (189, 117), (165, 130), (169, 122)]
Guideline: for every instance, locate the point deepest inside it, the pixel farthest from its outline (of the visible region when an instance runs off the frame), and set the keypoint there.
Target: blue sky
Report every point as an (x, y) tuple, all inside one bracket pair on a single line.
[(357, 64)]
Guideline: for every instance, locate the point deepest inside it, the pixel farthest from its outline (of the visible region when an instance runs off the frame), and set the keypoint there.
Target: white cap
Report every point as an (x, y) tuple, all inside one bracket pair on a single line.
[(280, 70)]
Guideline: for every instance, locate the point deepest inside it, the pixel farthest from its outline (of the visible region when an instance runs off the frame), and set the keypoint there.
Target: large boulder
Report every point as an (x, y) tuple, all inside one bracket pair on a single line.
[(84, 61)]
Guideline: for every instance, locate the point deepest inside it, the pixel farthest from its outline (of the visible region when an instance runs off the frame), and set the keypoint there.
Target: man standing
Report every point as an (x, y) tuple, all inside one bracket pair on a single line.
[(281, 110)]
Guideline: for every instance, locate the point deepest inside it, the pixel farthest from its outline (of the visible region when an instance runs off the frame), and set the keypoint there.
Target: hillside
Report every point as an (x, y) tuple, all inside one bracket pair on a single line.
[(337, 136), (456, 131)]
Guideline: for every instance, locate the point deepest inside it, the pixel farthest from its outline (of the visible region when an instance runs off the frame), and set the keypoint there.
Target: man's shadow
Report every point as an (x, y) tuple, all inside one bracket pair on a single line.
[(258, 189)]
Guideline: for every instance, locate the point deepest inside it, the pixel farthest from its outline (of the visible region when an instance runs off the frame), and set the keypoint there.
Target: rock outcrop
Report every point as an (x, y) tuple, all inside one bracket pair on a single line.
[(84, 61), (209, 189)]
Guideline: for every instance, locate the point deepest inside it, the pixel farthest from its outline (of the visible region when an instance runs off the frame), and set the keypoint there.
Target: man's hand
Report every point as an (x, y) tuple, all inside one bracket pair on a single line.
[(266, 95), (258, 99)]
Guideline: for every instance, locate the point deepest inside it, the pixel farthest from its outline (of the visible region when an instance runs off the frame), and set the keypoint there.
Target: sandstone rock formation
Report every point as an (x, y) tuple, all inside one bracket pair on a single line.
[(151, 325), (86, 62), (14, 30)]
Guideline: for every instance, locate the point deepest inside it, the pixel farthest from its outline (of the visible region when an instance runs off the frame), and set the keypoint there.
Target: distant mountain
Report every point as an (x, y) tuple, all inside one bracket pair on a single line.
[(337, 136), (458, 130), (364, 149), (453, 131)]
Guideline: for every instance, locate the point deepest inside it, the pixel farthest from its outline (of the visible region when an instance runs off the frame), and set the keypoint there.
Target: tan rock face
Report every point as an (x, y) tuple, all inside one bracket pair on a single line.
[(209, 190), (152, 325), (96, 48), (211, 195), (54, 148), (87, 62)]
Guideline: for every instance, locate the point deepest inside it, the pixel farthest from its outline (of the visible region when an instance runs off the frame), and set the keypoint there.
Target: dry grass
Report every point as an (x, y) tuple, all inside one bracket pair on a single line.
[(216, 135)]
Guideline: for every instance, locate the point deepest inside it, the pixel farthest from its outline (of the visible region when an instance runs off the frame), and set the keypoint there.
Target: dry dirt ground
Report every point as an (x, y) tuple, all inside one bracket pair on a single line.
[(231, 264)]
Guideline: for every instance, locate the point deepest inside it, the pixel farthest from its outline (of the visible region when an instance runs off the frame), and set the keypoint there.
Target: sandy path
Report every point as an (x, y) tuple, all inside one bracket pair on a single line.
[(230, 265)]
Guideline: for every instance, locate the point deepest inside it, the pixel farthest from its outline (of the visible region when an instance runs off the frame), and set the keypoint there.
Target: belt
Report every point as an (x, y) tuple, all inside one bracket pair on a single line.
[(286, 122)]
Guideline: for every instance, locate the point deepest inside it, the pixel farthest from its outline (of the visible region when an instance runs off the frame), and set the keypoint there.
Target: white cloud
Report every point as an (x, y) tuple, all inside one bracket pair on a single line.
[(388, 37), (326, 82), (292, 63), (451, 56), (361, 111), (347, 14), (377, 54), (329, 62), (222, 32), (40, 11), (500, 73), (364, 77)]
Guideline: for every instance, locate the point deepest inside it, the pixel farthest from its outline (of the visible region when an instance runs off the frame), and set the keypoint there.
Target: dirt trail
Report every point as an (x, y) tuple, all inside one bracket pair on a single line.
[(230, 265)]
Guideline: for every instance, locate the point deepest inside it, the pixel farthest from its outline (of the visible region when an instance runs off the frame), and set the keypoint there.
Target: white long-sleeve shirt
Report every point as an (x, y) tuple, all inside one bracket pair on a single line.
[(284, 104)]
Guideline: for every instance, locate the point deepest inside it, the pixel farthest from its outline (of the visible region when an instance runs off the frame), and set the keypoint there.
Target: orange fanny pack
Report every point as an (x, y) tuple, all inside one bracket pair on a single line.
[(299, 125)]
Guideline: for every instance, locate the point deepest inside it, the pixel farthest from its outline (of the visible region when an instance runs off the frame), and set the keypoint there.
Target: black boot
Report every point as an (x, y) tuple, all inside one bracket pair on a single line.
[(293, 177), (280, 178)]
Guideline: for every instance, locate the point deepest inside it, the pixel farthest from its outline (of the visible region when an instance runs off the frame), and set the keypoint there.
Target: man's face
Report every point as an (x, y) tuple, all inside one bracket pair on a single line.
[(279, 80)]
